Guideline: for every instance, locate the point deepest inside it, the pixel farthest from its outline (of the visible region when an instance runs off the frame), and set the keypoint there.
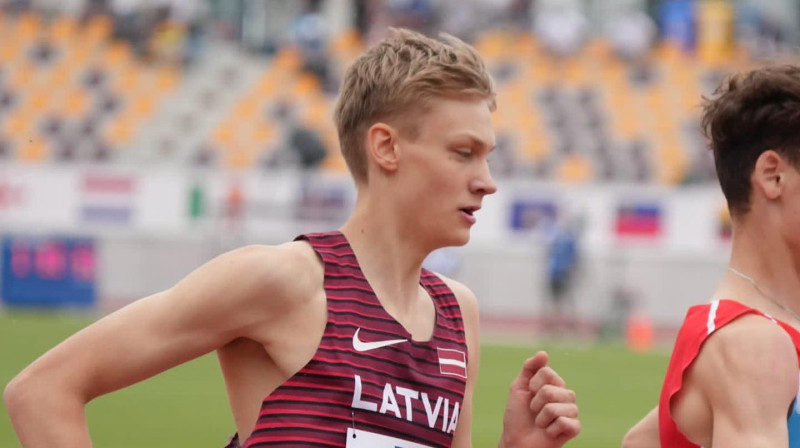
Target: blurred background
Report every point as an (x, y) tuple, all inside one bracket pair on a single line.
[(138, 139)]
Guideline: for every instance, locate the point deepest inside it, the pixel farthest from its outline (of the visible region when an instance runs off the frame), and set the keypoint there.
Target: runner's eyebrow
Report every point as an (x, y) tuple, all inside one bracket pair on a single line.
[(473, 141)]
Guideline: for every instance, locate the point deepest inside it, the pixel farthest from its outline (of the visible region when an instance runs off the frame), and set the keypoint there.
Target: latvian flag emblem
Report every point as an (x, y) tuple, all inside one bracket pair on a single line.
[(452, 362)]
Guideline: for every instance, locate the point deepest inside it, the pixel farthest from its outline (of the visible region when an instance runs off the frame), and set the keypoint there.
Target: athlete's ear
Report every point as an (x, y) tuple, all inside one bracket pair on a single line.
[(382, 146), (768, 174)]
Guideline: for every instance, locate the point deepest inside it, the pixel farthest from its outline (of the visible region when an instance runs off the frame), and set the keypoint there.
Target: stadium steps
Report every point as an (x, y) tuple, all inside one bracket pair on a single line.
[(186, 119)]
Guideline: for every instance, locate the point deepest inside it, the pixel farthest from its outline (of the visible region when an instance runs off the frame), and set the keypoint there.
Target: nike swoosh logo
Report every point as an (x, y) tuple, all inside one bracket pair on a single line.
[(361, 346)]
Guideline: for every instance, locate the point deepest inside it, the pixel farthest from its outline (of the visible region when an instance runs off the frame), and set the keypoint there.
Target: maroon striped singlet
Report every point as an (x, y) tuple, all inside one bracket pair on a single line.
[(368, 378)]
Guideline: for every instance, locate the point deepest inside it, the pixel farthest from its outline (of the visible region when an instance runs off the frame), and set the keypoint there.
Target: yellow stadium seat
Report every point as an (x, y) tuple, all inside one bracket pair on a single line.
[(167, 78), (28, 26), (669, 52), (690, 105), (527, 45), (239, 158), (127, 81), (672, 163), (63, 29), (334, 163), (98, 29), (536, 146), (247, 108), (118, 54), (545, 71), (144, 105), (34, 150), (575, 169), (627, 125), (266, 84), (23, 76), (306, 85), (494, 45), (80, 53), (39, 100), (264, 134), (9, 50), (76, 103), (18, 123), (573, 72), (60, 75), (317, 112), (224, 135), (288, 58), (347, 41), (599, 48), (654, 99), (120, 131)]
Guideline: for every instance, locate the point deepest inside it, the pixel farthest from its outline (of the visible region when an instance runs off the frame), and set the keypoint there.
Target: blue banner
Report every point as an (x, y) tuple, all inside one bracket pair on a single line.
[(45, 272)]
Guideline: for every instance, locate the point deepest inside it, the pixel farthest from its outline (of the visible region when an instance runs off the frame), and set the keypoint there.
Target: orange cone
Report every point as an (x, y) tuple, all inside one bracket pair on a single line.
[(639, 332)]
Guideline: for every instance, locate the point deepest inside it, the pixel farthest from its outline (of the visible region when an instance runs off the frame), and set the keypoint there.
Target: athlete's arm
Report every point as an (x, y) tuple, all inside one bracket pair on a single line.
[(462, 438), (747, 372), (645, 433), (540, 412), (220, 301)]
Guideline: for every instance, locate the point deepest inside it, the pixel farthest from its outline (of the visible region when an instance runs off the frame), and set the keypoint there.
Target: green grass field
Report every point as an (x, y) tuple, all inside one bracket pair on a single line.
[(186, 407)]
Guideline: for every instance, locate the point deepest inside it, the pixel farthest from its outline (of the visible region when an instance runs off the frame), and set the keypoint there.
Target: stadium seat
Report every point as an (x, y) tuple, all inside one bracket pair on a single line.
[(76, 103), (98, 29), (22, 76), (575, 169), (120, 131), (34, 150), (28, 26), (62, 30), (118, 54)]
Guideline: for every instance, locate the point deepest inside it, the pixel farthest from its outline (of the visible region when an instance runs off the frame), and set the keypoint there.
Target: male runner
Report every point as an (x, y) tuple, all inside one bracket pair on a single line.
[(336, 339), (733, 377)]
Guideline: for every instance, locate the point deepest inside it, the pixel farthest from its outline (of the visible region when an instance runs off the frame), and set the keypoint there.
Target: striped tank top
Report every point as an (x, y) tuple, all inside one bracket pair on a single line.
[(369, 384), (700, 323)]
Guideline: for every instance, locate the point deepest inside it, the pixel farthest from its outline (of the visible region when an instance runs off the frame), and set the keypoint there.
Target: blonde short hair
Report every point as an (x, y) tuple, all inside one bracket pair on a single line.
[(397, 77)]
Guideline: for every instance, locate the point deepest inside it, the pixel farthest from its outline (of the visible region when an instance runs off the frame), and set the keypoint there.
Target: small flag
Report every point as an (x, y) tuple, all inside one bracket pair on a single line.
[(452, 362), (532, 214), (107, 199), (639, 220)]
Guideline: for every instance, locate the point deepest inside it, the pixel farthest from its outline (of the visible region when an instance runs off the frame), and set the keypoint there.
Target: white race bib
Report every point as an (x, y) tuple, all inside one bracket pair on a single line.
[(364, 439)]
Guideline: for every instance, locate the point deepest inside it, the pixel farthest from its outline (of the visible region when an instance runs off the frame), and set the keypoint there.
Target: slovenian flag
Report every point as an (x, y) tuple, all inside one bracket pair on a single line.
[(452, 362)]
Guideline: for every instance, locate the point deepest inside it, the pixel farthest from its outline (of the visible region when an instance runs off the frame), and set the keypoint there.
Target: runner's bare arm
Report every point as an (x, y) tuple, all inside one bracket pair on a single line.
[(216, 303), (645, 433), (748, 373), (540, 412), (469, 311)]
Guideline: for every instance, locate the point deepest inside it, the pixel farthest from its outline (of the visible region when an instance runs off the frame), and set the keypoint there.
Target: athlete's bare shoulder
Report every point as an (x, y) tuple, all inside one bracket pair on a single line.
[(744, 374), (750, 343), (284, 273), (466, 298), (743, 380)]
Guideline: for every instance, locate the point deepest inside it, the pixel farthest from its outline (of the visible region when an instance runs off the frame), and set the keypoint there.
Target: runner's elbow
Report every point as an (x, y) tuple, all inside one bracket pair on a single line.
[(25, 394), (15, 396), (636, 438)]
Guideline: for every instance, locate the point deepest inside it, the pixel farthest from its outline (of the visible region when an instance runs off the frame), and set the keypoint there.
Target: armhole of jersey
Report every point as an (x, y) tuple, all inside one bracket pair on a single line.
[(305, 238), (720, 313)]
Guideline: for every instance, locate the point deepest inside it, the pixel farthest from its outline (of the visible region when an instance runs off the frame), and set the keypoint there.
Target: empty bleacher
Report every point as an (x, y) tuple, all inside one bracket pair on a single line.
[(70, 93)]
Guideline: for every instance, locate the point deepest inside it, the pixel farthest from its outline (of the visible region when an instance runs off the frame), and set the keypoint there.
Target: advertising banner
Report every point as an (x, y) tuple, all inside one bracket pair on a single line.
[(45, 272)]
